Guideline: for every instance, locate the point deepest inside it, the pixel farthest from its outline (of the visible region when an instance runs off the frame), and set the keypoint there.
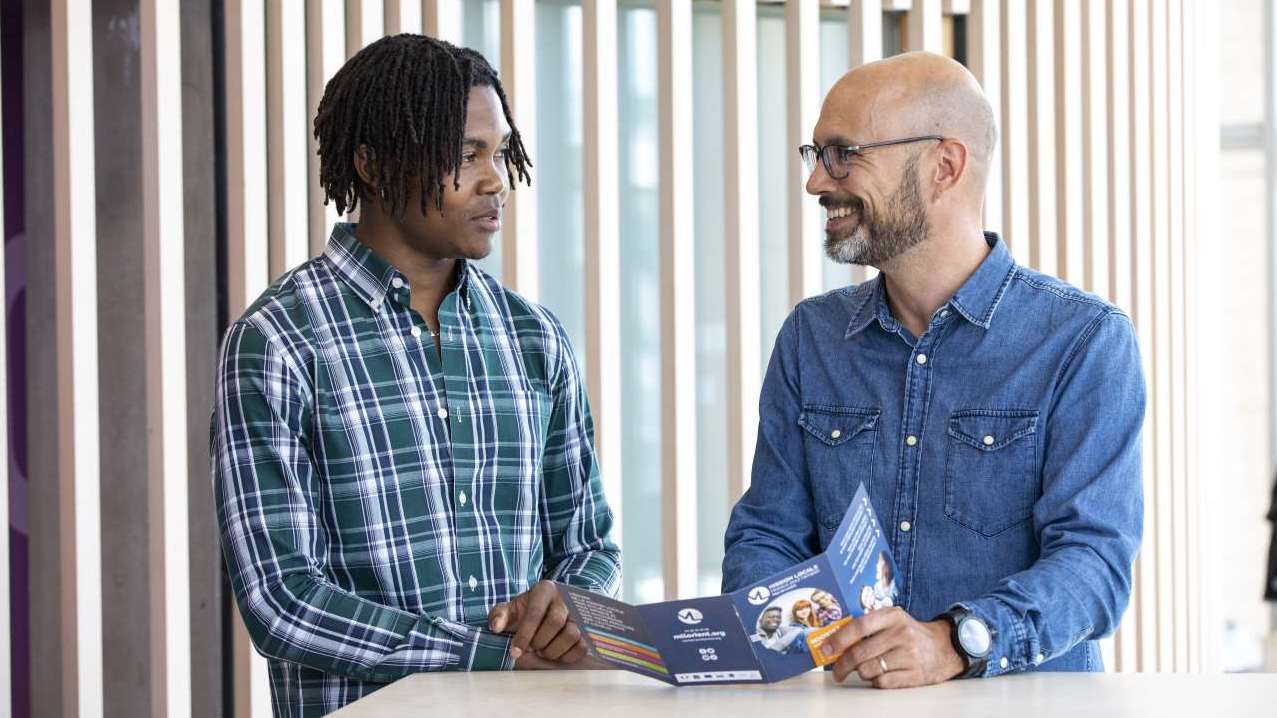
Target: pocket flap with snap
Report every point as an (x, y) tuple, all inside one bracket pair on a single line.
[(992, 429), (835, 425)]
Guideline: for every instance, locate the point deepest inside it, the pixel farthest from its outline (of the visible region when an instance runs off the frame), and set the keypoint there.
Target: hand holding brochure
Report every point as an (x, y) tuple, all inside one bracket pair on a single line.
[(761, 634)]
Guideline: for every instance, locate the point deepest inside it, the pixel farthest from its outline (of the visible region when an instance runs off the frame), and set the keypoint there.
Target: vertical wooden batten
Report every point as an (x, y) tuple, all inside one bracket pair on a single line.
[(602, 244), (677, 304)]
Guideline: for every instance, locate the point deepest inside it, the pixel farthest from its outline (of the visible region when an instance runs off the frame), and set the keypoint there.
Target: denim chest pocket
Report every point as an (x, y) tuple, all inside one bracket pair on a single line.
[(840, 445), (990, 477)]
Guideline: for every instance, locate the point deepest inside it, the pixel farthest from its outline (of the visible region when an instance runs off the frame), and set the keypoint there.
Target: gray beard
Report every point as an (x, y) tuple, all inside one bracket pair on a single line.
[(875, 241)]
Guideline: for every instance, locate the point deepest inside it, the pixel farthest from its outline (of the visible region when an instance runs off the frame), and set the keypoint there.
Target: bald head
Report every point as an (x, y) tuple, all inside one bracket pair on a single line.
[(917, 93)]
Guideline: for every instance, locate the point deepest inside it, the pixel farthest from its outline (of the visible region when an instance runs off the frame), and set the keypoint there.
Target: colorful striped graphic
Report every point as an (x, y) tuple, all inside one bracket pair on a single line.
[(627, 651)]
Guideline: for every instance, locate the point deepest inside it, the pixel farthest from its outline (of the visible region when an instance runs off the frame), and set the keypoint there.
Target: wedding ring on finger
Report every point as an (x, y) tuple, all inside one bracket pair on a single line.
[(882, 661)]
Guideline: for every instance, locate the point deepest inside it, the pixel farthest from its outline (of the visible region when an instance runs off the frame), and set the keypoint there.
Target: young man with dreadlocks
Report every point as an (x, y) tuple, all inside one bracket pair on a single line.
[(402, 451)]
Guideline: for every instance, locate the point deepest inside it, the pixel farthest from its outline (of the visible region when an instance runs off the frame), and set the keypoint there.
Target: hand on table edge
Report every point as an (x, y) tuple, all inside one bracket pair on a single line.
[(542, 629)]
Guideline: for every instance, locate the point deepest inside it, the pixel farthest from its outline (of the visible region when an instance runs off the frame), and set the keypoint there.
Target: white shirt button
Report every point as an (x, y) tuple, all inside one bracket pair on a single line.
[(988, 441), (474, 584), (376, 305), (835, 434), (397, 283), (944, 313), (415, 332), (922, 358), (1041, 657), (442, 413), (911, 440), (1003, 663), (905, 526), (461, 498)]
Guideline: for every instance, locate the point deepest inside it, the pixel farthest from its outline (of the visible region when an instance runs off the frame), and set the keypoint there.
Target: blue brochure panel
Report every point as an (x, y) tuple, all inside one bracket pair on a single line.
[(702, 641), (781, 611), (614, 632), (862, 560)]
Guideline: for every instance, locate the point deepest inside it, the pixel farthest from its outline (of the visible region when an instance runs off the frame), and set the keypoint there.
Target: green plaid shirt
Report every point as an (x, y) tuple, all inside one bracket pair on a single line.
[(377, 497)]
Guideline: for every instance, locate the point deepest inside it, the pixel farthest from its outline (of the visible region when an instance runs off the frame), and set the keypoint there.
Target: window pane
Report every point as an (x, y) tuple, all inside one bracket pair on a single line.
[(711, 319), (774, 159), (640, 305), (558, 168), (834, 51), (481, 31)]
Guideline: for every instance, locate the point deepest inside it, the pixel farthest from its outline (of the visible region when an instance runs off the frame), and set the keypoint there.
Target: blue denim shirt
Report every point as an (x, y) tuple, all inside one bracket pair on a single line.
[(1001, 449)]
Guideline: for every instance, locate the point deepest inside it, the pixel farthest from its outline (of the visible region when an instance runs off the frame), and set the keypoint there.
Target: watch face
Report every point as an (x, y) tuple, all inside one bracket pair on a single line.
[(974, 637)]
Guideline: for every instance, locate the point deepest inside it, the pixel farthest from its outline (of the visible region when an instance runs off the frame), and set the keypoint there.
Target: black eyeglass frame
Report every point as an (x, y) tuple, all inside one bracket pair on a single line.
[(821, 153)]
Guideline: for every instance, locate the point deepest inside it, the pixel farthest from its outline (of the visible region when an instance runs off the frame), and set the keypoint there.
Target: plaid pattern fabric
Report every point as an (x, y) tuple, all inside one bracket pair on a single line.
[(377, 497)]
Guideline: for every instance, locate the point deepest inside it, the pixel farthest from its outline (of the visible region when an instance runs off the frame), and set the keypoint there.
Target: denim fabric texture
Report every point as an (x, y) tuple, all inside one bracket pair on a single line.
[(1001, 450)]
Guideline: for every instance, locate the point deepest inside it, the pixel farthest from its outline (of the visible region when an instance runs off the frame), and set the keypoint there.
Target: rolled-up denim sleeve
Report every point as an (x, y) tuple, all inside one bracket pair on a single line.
[(773, 525), (1089, 519)]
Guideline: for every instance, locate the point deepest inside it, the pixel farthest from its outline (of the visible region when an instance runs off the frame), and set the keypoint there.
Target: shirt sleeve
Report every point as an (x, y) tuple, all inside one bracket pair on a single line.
[(575, 516), (265, 490), (1089, 519), (773, 525)]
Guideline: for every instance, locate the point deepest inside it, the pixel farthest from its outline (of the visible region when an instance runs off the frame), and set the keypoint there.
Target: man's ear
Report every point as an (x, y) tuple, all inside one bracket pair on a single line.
[(951, 166), (366, 167)]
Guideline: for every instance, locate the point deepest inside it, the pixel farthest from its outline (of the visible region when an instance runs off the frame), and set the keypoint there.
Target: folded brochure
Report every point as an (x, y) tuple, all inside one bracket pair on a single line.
[(766, 632)]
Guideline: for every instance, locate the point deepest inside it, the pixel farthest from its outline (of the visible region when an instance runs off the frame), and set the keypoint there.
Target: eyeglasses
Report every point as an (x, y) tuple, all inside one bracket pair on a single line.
[(838, 158)]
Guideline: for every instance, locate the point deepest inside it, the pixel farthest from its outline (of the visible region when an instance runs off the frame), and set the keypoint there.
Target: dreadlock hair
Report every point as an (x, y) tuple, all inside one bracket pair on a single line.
[(404, 98)]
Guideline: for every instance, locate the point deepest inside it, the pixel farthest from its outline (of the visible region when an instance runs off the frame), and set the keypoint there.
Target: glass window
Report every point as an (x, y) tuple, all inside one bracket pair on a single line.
[(776, 157), (711, 318), (558, 167), (481, 31), (640, 303), (834, 51)]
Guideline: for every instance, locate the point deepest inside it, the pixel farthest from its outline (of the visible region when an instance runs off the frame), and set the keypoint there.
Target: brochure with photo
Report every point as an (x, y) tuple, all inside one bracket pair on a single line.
[(760, 634)]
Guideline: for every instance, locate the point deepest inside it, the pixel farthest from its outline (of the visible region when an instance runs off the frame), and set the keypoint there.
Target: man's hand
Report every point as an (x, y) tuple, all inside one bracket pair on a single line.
[(914, 653), (539, 620)]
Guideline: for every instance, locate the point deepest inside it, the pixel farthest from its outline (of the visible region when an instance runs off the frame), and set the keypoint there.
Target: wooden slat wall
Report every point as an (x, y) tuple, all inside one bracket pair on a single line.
[(984, 24), (442, 19), (287, 114), (247, 250), (325, 52), (602, 244), (1096, 114), (75, 316), (518, 75), (165, 338), (740, 238), (678, 315), (1097, 180), (802, 88)]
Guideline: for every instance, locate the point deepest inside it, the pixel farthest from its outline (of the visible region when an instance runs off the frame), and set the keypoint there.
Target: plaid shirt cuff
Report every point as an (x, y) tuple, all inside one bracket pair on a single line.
[(481, 650)]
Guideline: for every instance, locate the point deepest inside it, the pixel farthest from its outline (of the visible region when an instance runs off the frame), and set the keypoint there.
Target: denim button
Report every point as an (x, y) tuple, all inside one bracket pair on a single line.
[(1003, 663), (922, 358), (911, 440)]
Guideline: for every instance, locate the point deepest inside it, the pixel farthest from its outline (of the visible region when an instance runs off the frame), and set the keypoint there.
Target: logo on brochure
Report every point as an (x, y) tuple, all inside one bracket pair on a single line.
[(690, 616), (759, 596)]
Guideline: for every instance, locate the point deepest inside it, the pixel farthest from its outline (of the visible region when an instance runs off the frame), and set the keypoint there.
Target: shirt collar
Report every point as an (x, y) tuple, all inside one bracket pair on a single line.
[(369, 276), (976, 300), (980, 296)]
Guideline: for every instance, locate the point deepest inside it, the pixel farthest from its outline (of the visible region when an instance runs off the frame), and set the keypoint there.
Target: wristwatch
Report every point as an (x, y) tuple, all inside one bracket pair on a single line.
[(972, 639)]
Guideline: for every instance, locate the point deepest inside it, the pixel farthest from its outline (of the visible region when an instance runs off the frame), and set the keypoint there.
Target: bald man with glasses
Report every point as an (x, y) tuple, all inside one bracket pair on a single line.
[(993, 413)]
